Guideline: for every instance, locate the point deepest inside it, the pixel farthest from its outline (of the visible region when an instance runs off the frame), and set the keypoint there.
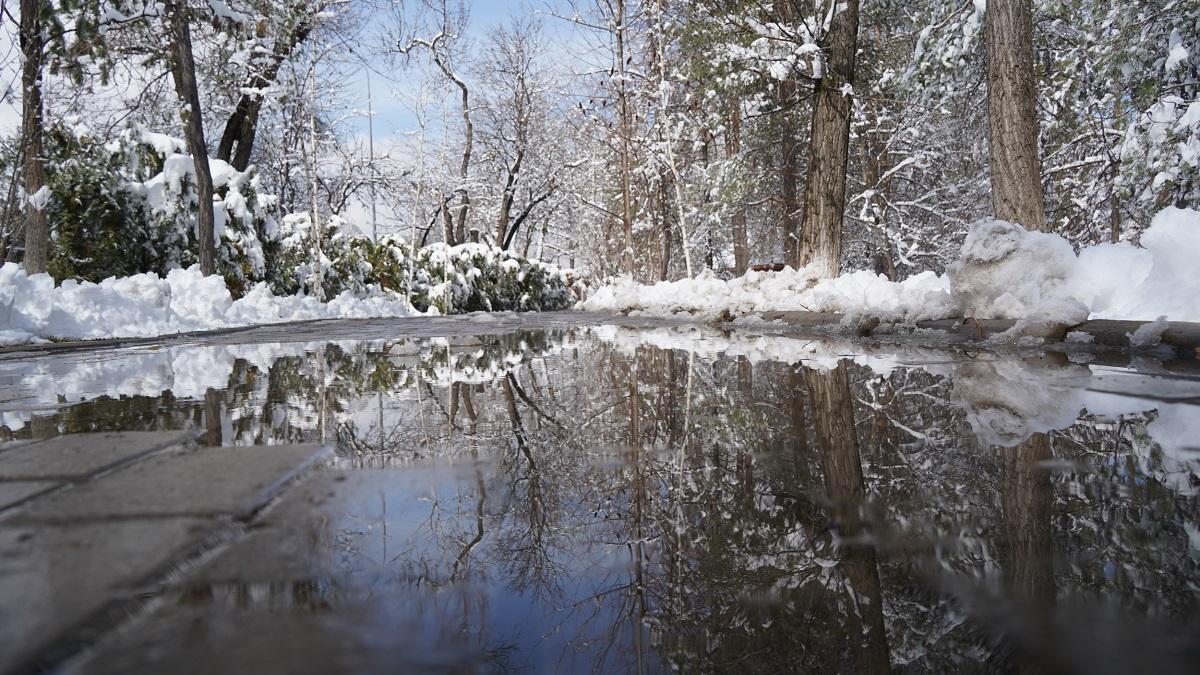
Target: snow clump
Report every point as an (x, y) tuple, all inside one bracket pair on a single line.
[(1008, 272)]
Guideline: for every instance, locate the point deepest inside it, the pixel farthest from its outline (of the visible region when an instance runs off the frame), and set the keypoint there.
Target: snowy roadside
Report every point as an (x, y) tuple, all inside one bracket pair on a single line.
[(1004, 272), (32, 309)]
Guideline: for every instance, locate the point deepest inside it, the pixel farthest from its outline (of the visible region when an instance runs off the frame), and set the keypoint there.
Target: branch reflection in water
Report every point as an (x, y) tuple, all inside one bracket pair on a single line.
[(619, 500)]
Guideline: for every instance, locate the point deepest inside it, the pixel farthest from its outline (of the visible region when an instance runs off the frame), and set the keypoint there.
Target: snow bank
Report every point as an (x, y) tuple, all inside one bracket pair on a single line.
[(924, 296), (1119, 281), (1004, 272), (145, 305)]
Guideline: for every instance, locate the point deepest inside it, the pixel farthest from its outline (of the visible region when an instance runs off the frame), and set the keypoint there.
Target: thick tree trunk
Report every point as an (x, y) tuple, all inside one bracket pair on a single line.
[(825, 191), (733, 148), (33, 46), (1012, 115), (833, 423), (183, 71)]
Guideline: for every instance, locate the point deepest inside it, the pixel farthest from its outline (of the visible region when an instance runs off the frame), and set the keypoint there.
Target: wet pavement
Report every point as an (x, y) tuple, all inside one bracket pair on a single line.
[(553, 495)]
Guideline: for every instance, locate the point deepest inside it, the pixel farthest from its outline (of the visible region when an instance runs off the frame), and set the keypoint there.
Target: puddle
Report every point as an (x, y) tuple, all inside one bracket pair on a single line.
[(604, 499)]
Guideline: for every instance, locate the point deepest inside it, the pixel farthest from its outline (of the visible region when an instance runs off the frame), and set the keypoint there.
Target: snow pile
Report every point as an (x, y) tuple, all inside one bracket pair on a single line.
[(144, 305), (1120, 281), (1004, 272), (924, 296), (1007, 272)]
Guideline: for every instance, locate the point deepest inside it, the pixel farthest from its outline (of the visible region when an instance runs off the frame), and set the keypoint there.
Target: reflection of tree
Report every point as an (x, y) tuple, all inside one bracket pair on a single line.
[(673, 506), (1027, 506), (837, 444)]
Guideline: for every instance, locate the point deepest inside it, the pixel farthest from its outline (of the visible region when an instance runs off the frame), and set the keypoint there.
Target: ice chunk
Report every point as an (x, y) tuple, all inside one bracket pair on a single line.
[(1150, 334)]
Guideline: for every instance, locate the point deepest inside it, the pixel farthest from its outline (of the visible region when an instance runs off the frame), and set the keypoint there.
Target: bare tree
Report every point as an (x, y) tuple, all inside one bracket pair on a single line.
[(451, 24), (237, 140), (625, 126), (511, 122)]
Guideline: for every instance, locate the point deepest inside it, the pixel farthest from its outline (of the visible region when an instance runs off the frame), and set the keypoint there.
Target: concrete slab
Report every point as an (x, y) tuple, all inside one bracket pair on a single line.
[(297, 630), (54, 579), (228, 482), (342, 527), (78, 456), (15, 493)]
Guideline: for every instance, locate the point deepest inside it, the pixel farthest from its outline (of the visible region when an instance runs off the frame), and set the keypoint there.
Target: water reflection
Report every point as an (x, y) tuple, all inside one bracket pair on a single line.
[(643, 501)]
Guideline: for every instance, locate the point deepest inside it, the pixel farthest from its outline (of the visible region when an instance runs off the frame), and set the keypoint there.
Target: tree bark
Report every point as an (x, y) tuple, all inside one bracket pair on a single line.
[(825, 190), (1012, 115), (733, 148), (183, 71), (33, 47), (626, 134)]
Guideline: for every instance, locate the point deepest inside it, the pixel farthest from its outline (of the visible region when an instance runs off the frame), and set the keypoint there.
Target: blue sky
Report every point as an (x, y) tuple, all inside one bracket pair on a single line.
[(391, 87)]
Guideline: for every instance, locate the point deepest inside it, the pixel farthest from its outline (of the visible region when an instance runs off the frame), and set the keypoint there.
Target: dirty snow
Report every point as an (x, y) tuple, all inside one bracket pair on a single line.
[(1008, 272), (1149, 334)]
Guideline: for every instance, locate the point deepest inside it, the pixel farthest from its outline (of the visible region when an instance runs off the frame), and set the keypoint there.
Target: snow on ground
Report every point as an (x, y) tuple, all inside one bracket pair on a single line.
[(146, 305), (1004, 272), (924, 296)]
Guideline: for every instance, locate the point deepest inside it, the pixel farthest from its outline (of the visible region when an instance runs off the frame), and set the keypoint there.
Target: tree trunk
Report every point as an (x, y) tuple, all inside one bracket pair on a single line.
[(873, 169), (626, 134), (506, 202), (733, 148), (664, 213), (237, 140), (33, 46), (1012, 116), (825, 191), (183, 71)]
